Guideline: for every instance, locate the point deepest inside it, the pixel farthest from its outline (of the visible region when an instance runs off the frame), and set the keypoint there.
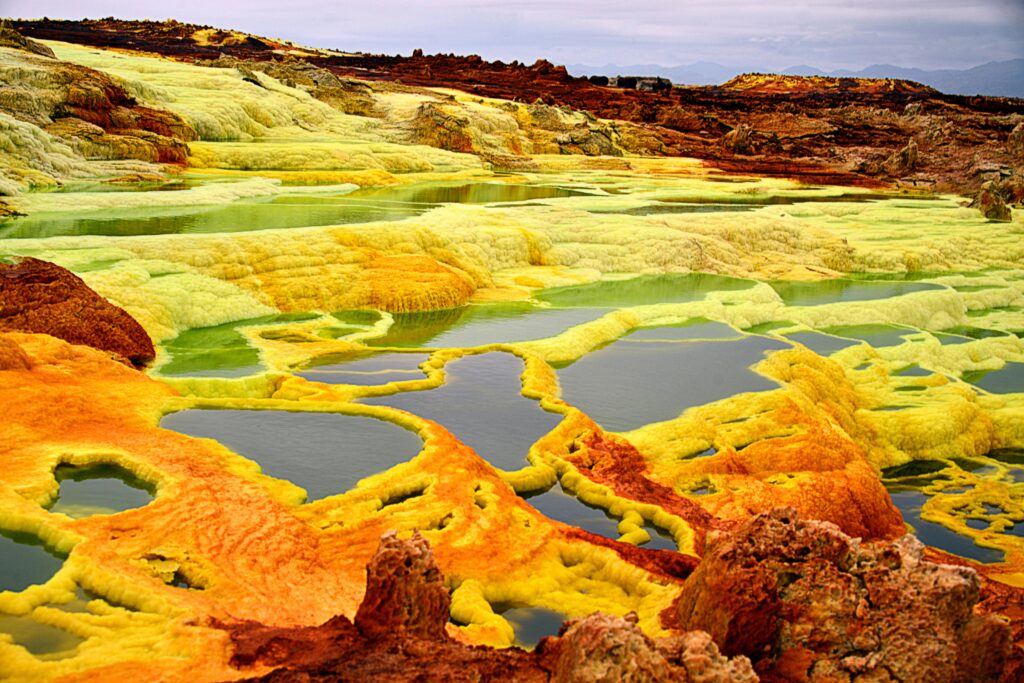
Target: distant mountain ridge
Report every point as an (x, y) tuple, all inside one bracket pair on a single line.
[(997, 79)]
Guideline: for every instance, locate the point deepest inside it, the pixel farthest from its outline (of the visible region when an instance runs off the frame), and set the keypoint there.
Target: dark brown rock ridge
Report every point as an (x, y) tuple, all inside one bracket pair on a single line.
[(818, 129), (808, 603), (41, 297), (400, 634)]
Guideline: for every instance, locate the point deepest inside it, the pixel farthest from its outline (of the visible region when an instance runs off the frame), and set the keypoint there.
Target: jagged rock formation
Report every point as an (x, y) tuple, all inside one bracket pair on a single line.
[(822, 130), (902, 162), (990, 202), (602, 648), (41, 297), (807, 602), (399, 635), (405, 592), (737, 140)]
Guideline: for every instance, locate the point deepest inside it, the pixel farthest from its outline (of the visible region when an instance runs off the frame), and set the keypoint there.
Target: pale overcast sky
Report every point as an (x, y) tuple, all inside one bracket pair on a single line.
[(767, 35)]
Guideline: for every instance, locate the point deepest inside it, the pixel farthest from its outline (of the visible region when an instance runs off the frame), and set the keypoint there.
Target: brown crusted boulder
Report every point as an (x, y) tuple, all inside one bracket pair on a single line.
[(1015, 140), (808, 603), (902, 162), (991, 203), (434, 126), (405, 592), (606, 649), (399, 635), (739, 139), (43, 298)]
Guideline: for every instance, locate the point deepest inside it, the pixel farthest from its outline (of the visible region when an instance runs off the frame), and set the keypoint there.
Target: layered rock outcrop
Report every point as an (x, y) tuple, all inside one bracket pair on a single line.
[(85, 108), (821, 130), (41, 297)]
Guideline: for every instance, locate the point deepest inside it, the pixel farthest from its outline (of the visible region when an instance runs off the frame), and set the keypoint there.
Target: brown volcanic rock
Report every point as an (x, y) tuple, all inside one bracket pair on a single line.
[(602, 648), (809, 603), (11, 38), (405, 592), (399, 635), (991, 203), (41, 297)]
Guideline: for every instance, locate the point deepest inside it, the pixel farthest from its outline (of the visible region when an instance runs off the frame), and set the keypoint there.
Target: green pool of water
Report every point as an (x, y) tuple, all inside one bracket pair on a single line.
[(821, 343), (660, 539), (479, 324), (629, 384), (830, 291), (875, 335), (169, 186), (26, 561), (376, 369), (1007, 380), (282, 211), (481, 404), (99, 490), (324, 453), (558, 505), (697, 328), (220, 350), (643, 290), (914, 370), (975, 332), (45, 642), (657, 209)]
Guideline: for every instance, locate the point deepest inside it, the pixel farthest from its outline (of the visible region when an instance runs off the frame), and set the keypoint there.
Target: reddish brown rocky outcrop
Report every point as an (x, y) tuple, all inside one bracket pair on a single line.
[(11, 38), (41, 297), (805, 601), (602, 648), (405, 592), (808, 603), (399, 635)]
